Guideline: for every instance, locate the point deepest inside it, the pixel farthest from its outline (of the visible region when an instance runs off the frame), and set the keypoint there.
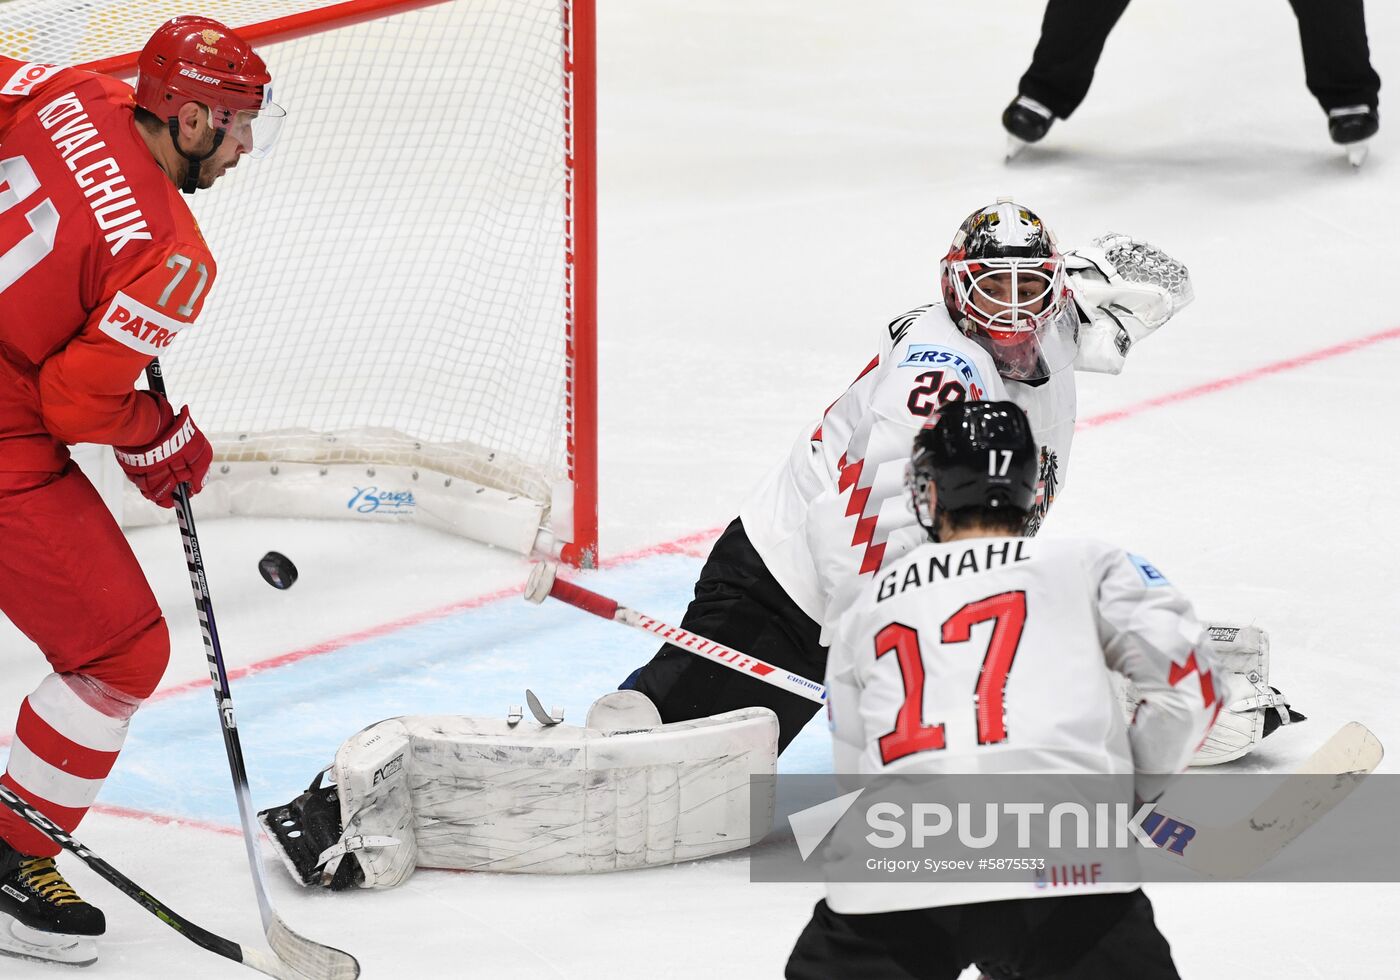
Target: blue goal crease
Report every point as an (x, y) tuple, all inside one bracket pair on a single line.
[(292, 718)]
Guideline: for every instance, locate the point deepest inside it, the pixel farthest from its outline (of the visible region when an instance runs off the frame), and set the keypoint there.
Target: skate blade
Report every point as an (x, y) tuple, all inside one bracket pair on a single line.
[(1356, 152), (20, 941)]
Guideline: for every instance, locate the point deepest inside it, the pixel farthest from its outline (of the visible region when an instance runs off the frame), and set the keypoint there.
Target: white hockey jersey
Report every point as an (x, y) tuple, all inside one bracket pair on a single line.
[(993, 655), (836, 510)]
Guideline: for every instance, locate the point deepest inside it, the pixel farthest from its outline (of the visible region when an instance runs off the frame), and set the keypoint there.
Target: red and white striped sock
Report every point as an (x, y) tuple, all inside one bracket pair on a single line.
[(69, 733)]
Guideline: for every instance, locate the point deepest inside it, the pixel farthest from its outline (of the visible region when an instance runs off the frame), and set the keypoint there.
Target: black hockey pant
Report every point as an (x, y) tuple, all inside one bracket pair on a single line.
[(737, 603), (1336, 56), (1079, 937)]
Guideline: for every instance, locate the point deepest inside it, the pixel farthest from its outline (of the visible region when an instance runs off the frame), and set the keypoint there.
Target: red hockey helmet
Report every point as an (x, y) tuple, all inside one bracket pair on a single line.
[(196, 59)]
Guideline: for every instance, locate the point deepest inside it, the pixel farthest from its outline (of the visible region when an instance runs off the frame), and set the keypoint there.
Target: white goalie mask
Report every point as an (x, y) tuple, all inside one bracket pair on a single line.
[(1004, 286)]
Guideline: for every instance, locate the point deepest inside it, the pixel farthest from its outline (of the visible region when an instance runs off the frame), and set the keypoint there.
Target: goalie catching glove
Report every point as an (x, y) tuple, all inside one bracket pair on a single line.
[(481, 794), (179, 454), (1124, 289)]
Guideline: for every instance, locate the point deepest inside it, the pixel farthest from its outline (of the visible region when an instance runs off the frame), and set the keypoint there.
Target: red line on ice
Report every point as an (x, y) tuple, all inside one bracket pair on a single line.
[(1244, 377), (166, 819), (340, 642)]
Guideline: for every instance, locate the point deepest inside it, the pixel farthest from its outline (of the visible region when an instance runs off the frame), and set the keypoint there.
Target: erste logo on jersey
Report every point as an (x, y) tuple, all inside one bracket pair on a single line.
[(28, 76), (931, 355), (139, 327), (1151, 575)]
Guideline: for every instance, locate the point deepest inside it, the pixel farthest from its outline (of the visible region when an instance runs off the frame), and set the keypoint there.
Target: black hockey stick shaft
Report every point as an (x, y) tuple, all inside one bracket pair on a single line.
[(196, 934), (313, 959)]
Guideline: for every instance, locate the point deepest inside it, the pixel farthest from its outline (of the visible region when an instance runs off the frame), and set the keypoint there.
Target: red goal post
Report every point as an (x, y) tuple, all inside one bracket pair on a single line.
[(403, 325)]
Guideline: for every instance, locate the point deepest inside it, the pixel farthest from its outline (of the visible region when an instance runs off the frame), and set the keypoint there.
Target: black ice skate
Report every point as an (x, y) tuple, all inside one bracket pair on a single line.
[(41, 917), (1026, 121), (1351, 126)]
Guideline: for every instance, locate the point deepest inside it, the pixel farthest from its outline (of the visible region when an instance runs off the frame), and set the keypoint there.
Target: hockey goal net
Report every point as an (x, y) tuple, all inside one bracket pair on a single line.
[(403, 321)]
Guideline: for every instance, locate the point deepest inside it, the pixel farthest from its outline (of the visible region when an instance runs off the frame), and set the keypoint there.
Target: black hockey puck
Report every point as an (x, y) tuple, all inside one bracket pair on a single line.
[(278, 569)]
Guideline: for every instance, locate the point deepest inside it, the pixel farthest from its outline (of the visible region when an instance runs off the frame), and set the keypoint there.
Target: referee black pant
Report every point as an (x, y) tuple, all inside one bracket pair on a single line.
[(1336, 56)]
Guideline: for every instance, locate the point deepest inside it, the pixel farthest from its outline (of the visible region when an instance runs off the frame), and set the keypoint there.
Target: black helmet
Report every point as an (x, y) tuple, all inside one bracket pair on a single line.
[(978, 455)]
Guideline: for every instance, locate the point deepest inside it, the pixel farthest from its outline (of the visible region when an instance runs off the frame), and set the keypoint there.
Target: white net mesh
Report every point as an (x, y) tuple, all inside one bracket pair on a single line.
[(391, 282)]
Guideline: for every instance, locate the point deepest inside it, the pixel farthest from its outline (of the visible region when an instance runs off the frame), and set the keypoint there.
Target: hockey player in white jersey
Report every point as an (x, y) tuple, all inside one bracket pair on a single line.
[(1034, 628), (1018, 318)]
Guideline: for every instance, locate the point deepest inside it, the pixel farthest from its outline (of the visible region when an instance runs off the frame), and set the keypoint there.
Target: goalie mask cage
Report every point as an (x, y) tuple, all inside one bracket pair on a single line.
[(402, 326)]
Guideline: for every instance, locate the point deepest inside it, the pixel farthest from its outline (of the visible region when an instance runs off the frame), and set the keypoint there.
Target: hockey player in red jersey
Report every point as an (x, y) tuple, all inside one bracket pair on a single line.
[(101, 265), (1066, 614)]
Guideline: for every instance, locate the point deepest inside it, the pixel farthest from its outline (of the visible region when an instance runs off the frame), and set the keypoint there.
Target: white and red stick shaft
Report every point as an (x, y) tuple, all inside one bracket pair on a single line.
[(544, 583)]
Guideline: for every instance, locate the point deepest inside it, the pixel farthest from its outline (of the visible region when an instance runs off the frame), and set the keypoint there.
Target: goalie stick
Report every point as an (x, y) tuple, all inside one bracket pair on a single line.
[(1230, 850), (544, 583), (250, 957), (1325, 779), (313, 959)]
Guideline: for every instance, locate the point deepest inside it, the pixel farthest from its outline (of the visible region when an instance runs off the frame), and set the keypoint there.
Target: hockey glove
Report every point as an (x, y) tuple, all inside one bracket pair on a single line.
[(1125, 289), (179, 454)]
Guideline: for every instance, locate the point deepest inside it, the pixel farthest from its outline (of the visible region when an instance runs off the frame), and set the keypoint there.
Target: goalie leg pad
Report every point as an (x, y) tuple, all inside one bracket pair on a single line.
[(623, 711), (570, 800), (483, 794), (1252, 708)]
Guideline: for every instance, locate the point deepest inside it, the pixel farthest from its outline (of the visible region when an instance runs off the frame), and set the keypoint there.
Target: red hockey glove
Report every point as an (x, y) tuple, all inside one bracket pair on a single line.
[(179, 454)]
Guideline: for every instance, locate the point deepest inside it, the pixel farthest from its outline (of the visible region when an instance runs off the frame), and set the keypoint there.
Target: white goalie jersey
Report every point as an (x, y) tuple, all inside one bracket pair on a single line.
[(996, 655), (836, 510)]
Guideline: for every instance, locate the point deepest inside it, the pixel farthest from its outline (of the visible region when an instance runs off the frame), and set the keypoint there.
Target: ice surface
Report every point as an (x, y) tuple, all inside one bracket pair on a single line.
[(777, 182)]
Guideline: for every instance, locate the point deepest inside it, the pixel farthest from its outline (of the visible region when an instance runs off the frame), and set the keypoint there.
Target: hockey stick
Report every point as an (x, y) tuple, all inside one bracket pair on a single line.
[(1326, 778), (544, 583), (310, 958), (1232, 850), (250, 957)]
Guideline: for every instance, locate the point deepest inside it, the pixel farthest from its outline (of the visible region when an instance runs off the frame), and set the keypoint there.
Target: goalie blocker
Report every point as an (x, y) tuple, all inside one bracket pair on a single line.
[(481, 794)]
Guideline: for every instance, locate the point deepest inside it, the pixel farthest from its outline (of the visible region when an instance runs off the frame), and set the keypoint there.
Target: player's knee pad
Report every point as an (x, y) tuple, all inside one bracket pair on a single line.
[(623, 791), (135, 665)]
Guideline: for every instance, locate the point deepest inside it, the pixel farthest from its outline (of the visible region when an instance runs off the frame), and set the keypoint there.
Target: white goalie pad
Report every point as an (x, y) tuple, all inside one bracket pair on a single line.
[(1125, 289), (481, 794), (1241, 655), (1242, 659)]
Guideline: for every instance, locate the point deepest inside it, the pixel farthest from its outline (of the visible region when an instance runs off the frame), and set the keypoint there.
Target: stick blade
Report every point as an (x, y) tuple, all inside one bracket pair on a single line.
[(310, 959), (1325, 779), (1353, 749)]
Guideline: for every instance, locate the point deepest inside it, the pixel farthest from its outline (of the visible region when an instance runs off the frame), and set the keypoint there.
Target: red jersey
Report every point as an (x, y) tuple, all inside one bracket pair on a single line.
[(101, 264)]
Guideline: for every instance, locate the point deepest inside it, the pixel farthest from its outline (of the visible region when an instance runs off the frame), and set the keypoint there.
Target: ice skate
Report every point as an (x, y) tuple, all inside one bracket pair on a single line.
[(1026, 121), (1351, 128), (41, 917)]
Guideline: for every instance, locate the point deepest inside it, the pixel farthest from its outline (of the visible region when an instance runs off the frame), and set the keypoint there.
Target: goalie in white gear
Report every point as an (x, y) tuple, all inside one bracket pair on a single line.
[(1034, 628), (1018, 317)]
